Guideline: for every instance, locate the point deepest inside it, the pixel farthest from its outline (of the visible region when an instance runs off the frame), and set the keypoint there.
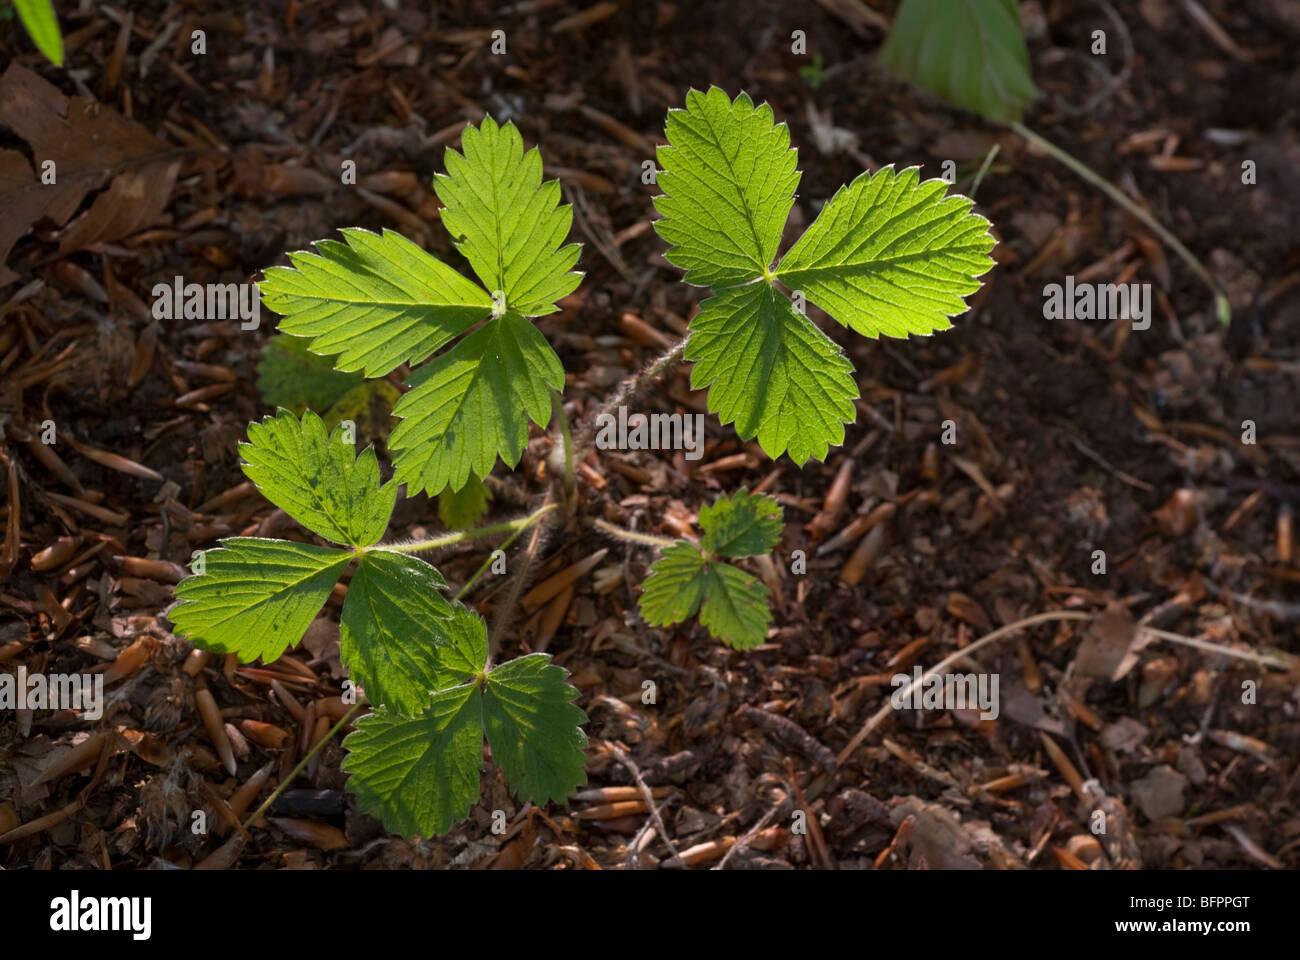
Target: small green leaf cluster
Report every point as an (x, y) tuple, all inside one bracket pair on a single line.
[(972, 55), (689, 578), (422, 660)]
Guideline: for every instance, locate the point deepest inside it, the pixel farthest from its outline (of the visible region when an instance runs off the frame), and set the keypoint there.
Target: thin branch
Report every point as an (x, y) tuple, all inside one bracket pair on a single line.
[(879, 716), (1221, 305), (280, 788)]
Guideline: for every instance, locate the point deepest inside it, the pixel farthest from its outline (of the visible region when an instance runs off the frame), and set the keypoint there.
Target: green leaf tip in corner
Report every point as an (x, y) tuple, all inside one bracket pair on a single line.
[(420, 774), (889, 255), (970, 53), (42, 25), (686, 578)]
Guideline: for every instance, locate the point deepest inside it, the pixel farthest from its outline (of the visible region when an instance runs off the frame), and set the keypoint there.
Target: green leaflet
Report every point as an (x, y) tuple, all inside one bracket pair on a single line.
[(506, 222), (289, 375), (393, 629), (728, 176), (731, 603), (969, 52), (887, 254), (318, 479), (772, 371), (420, 774), (741, 525), (42, 26), (533, 728), (256, 597), (375, 301), (423, 661), (472, 404)]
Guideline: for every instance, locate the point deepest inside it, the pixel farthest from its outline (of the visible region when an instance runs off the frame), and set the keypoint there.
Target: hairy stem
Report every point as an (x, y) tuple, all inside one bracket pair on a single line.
[(1221, 306), (460, 536), (649, 540), (558, 403), (629, 389), (483, 567), (293, 774)]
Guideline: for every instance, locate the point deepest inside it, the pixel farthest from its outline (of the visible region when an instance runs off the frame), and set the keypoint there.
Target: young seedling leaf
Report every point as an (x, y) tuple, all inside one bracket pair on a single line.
[(374, 301), (728, 176), (741, 525), (394, 629), (533, 728), (731, 603), (889, 254), (772, 371), (256, 597), (506, 222), (465, 507), (673, 590), (291, 376), (471, 404), (317, 479), (969, 52), (685, 578), (735, 607), (419, 775)]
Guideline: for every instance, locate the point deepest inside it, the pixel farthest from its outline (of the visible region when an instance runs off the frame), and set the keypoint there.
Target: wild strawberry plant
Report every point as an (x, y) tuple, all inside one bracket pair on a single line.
[(887, 254), (689, 577)]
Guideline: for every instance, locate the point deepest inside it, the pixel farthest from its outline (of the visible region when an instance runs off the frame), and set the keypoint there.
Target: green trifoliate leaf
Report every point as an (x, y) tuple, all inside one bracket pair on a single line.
[(728, 177), (969, 52), (318, 479), (394, 629), (772, 371), (291, 376), (533, 728), (256, 597), (731, 603), (42, 26), (471, 404), (419, 775), (464, 507), (374, 301), (506, 222), (741, 525), (889, 254)]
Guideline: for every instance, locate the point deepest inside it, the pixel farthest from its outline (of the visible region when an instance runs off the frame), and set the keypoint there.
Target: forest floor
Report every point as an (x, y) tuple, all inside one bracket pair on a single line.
[(1072, 437)]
